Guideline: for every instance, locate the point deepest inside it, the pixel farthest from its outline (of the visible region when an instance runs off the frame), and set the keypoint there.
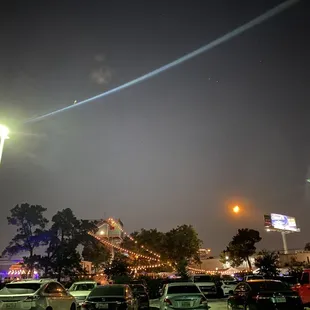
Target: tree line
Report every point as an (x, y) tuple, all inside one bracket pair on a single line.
[(243, 246), (54, 247)]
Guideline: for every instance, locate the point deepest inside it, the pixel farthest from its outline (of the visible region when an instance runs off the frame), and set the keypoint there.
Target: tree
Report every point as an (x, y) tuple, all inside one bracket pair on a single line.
[(181, 267), (62, 257), (227, 256), (267, 262), (151, 239), (307, 246), (295, 268), (179, 245), (96, 253), (30, 235), (118, 267), (182, 244), (242, 246)]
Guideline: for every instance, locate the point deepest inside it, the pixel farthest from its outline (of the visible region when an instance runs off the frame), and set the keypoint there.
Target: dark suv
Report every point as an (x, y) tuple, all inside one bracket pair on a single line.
[(140, 292)]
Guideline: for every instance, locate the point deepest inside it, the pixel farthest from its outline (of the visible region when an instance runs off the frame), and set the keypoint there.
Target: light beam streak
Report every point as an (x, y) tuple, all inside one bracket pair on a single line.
[(236, 32)]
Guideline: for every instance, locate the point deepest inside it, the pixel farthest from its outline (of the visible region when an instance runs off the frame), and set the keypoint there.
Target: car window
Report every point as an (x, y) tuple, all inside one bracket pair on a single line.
[(305, 278), (138, 288), (55, 288), (107, 290), (268, 286), (230, 282), (183, 289), (20, 288), (82, 287), (199, 279)]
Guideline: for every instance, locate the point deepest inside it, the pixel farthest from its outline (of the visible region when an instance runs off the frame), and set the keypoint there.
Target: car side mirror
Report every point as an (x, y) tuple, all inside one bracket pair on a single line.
[(231, 292), (160, 292)]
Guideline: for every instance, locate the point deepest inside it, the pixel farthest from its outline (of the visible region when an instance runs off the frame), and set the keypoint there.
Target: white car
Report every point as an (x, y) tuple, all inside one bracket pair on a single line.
[(36, 294), (80, 290), (206, 284), (228, 285), (182, 295)]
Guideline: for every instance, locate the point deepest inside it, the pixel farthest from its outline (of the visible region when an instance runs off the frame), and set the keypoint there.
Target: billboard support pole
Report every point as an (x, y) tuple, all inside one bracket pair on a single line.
[(283, 233)]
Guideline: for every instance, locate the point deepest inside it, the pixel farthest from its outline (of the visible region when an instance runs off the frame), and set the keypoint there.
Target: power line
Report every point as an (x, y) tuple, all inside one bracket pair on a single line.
[(239, 30)]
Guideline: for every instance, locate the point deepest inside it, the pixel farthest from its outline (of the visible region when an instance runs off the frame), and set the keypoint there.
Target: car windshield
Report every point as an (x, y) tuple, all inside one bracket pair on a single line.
[(20, 288), (268, 286), (230, 282), (138, 288), (255, 277), (183, 289), (107, 291), (82, 287), (198, 279)]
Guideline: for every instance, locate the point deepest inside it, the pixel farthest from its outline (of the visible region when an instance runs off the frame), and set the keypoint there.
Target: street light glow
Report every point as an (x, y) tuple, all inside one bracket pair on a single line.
[(4, 131), (236, 209)]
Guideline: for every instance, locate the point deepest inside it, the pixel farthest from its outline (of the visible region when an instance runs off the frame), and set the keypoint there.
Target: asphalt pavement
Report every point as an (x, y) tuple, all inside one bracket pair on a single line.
[(214, 304)]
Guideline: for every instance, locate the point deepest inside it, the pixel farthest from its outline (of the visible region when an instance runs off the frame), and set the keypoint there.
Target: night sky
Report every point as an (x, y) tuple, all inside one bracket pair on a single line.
[(231, 126)]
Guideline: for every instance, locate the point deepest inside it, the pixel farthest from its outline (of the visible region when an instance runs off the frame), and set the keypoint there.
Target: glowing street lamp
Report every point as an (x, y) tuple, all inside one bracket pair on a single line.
[(236, 209), (4, 131)]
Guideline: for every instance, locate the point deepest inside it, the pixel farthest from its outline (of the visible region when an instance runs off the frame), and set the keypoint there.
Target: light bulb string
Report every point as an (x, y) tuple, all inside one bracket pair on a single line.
[(112, 222)]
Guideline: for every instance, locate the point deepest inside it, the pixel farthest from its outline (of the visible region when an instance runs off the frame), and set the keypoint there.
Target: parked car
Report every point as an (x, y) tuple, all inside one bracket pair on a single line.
[(303, 287), (253, 277), (228, 285), (80, 290), (113, 296), (182, 295), (36, 294), (140, 281), (207, 285), (264, 295), (140, 292)]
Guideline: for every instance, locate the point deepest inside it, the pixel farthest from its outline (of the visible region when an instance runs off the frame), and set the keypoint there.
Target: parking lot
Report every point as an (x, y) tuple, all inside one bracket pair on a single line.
[(215, 304)]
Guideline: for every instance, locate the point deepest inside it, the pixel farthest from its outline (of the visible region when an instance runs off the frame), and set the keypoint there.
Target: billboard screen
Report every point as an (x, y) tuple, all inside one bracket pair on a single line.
[(283, 222)]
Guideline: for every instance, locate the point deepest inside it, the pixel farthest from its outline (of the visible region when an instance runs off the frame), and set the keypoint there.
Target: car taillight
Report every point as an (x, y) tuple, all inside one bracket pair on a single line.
[(84, 306), (168, 301)]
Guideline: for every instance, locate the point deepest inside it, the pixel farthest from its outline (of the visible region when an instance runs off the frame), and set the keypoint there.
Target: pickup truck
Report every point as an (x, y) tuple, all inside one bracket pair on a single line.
[(303, 287)]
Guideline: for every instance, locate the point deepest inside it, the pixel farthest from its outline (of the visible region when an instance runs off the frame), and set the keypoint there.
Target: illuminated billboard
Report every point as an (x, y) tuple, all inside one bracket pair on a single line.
[(280, 222)]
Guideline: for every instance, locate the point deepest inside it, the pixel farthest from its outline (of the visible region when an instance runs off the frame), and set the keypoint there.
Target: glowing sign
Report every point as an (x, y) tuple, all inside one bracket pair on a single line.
[(283, 222)]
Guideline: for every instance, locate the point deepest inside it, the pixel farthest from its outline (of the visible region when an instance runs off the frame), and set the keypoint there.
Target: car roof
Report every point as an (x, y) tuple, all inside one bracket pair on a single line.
[(201, 274), (262, 280), (34, 281), (115, 285), (85, 282), (181, 284)]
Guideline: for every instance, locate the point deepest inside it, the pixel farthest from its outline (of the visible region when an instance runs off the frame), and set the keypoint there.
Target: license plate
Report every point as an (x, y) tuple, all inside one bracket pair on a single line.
[(186, 304), (102, 306), (279, 300), (11, 305)]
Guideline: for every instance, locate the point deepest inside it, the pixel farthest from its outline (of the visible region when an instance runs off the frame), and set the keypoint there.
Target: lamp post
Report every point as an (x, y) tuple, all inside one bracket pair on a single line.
[(4, 131)]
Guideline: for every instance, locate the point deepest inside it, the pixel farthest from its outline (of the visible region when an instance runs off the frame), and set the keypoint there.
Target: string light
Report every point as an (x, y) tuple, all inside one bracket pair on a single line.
[(197, 270), (122, 249), (115, 223), (140, 267)]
